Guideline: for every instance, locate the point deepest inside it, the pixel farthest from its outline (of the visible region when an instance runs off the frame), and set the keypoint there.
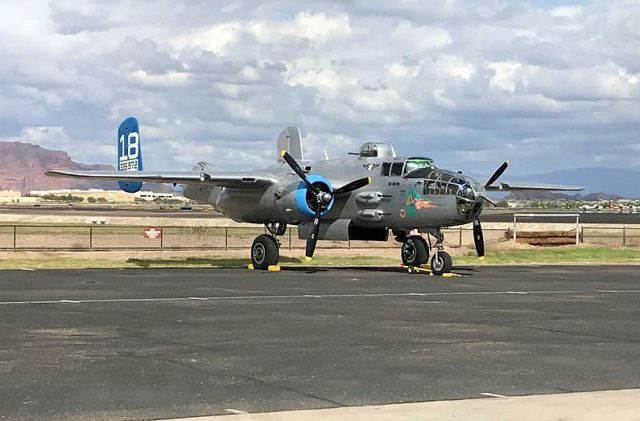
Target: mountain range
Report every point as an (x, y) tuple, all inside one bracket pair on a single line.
[(22, 167)]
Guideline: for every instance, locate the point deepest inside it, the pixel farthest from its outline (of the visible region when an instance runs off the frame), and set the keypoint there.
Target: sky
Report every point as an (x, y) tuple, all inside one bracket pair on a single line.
[(545, 84)]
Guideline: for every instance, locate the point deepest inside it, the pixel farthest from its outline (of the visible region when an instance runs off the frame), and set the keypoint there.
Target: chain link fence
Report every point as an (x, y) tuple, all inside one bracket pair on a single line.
[(109, 237)]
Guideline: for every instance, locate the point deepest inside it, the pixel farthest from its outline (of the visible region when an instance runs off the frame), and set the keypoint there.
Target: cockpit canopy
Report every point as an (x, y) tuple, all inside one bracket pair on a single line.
[(416, 163)]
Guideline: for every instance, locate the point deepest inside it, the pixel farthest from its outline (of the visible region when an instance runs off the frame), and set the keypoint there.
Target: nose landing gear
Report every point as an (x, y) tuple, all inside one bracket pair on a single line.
[(441, 261)]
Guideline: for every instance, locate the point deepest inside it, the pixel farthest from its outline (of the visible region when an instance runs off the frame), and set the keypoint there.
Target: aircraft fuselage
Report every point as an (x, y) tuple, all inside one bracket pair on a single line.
[(395, 198)]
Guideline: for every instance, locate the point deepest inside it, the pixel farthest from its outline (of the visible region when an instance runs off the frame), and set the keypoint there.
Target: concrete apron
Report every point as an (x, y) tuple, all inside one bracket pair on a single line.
[(585, 406)]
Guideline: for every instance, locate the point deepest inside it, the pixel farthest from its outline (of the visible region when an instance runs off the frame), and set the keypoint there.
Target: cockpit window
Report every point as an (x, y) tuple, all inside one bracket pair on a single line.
[(413, 164), (386, 168), (396, 168)]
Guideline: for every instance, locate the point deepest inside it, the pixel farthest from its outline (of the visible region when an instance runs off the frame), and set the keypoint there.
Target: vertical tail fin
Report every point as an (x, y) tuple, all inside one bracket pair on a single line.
[(129, 153), (290, 140)]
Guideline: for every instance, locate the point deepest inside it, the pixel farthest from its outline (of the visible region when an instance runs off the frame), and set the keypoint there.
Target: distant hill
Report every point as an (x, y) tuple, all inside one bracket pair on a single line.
[(607, 183), (22, 167)]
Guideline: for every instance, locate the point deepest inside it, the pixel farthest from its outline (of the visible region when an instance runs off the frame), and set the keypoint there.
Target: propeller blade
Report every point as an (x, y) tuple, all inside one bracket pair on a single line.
[(313, 235), (354, 185), (296, 169), (478, 238), (497, 174)]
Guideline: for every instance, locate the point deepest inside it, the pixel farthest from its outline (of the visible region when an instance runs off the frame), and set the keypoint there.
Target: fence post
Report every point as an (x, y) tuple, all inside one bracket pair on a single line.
[(515, 218), (226, 238), (624, 235), (90, 236), (290, 229), (15, 228), (460, 238), (162, 229)]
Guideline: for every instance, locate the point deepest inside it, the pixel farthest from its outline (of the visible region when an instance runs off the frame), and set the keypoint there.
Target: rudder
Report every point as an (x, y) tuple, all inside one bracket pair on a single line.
[(129, 153)]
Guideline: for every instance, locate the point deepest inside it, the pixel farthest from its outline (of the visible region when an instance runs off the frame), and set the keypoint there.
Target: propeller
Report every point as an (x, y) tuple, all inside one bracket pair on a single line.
[(497, 174), (478, 236), (322, 199), (296, 169), (313, 235)]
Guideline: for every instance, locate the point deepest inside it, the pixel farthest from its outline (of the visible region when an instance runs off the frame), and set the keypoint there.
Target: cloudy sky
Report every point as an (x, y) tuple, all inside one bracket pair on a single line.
[(546, 84)]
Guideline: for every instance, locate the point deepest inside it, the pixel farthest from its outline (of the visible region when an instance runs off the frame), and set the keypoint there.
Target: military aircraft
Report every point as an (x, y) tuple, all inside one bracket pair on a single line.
[(361, 197)]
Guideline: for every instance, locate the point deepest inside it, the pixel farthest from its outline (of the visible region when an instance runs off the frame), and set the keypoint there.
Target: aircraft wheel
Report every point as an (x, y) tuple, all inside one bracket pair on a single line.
[(414, 251), (264, 252), (441, 262)]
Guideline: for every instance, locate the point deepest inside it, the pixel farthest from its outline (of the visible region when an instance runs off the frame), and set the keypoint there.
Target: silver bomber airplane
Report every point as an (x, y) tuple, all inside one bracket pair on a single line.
[(358, 198)]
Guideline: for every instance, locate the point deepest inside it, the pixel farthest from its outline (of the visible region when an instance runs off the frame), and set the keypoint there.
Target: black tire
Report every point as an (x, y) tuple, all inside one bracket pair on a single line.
[(425, 260), (441, 263), (414, 251), (264, 252)]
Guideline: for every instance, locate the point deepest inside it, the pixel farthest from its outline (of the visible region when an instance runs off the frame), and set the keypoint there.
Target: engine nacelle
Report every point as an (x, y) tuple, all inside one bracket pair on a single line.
[(343, 230)]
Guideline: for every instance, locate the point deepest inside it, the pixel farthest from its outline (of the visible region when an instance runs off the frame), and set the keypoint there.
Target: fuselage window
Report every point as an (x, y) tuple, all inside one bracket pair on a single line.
[(386, 168), (396, 168)]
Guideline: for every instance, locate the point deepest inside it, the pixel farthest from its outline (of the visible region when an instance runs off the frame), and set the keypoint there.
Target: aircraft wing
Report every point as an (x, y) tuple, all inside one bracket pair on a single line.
[(234, 180), (505, 186)]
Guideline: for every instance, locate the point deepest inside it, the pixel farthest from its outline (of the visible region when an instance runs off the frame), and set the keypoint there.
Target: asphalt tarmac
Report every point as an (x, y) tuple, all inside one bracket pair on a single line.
[(141, 344)]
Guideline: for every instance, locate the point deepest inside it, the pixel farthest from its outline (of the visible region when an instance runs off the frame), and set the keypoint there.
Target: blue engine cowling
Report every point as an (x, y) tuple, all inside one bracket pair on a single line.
[(302, 196)]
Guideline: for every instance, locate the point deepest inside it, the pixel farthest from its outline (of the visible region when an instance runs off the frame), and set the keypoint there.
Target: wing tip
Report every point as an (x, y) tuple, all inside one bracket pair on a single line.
[(54, 173)]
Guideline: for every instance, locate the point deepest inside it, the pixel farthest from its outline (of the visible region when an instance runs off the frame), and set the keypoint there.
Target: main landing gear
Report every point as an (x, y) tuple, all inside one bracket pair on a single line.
[(265, 250), (415, 252)]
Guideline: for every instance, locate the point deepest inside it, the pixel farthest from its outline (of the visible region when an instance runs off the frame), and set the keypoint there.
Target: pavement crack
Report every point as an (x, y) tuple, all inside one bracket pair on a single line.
[(290, 389)]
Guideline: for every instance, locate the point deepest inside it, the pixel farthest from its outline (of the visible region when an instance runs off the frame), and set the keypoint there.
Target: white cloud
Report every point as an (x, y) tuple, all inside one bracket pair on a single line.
[(469, 83)]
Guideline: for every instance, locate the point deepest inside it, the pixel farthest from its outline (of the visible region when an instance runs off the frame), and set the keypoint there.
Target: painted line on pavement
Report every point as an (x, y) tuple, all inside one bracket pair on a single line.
[(236, 411), (493, 395), (314, 296)]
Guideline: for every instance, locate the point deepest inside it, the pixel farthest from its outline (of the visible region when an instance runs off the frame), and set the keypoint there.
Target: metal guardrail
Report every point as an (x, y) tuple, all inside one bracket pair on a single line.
[(110, 237)]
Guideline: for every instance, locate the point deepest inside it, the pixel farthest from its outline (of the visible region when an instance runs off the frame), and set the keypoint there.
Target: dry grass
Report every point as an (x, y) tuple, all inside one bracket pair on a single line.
[(500, 253)]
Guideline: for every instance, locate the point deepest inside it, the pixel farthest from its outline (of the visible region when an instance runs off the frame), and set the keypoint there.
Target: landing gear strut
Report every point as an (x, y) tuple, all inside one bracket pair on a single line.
[(441, 261), (265, 250)]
